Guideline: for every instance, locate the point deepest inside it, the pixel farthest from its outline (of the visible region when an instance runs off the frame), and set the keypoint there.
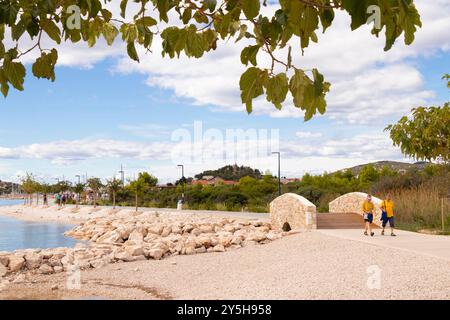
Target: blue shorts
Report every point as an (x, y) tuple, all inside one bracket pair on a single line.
[(385, 221), (368, 217)]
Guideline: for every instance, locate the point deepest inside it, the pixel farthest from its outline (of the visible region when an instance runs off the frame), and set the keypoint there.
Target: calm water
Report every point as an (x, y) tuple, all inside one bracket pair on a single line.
[(16, 234)]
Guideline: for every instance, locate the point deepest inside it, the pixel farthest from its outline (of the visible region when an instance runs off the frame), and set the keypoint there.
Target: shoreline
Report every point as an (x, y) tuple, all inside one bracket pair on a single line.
[(70, 215)]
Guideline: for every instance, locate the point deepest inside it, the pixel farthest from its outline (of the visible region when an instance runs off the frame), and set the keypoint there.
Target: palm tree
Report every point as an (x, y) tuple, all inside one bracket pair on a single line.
[(95, 184), (113, 186)]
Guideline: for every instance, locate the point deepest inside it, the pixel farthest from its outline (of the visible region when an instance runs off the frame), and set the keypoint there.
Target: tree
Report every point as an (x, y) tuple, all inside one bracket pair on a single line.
[(141, 184), (203, 24), (425, 136), (113, 186), (78, 189), (95, 184), (28, 186)]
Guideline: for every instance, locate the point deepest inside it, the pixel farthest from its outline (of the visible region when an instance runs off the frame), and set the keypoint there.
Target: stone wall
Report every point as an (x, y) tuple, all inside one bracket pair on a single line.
[(352, 203), (293, 209)]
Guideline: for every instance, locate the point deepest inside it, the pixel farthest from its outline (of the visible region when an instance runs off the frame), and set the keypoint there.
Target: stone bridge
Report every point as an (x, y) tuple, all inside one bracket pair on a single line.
[(292, 211)]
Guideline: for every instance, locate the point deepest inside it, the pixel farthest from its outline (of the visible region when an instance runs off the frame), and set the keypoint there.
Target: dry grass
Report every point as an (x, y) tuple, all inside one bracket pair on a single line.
[(420, 208)]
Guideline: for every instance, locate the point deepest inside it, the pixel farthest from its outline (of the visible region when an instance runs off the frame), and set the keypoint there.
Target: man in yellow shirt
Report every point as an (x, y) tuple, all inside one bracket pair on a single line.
[(367, 208), (387, 207)]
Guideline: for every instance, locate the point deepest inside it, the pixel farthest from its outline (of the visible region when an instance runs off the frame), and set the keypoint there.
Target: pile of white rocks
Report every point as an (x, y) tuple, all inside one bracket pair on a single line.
[(131, 238)]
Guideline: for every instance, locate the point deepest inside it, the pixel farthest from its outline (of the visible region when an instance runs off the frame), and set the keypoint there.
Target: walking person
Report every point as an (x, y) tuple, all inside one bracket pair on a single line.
[(58, 199), (368, 208), (387, 214), (45, 200)]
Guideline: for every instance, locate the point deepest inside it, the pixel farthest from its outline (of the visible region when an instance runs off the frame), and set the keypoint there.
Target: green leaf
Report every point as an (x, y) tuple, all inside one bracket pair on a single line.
[(123, 7), (277, 89), (248, 54), (211, 4), (14, 73), (163, 8), (132, 53), (44, 66), (250, 8), (51, 29), (4, 87), (251, 85), (110, 33)]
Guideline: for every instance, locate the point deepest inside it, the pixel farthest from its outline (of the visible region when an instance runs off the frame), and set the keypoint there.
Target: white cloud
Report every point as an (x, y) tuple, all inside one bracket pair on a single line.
[(307, 134)]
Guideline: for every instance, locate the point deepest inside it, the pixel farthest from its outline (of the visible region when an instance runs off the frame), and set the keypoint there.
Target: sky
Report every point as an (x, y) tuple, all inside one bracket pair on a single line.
[(104, 110)]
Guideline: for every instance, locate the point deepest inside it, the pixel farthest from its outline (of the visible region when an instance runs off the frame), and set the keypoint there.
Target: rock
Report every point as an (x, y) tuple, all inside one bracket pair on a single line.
[(58, 269), (196, 231), (176, 230), (219, 248), (256, 236), (236, 240), (187, 228), (134, 250), (33, 260), (189, 250), (155, 229), (123, 255), (246, 243), (229, 228), (204, 241), (136, 237), (273, 236), (3, 270), (55, 287), (54, 262), (16, 263), (206, 228), (173, 263), (156, 253), (110, 237), (98, 263), (4, 260), (200, 250), (45, 269), (166, 231)]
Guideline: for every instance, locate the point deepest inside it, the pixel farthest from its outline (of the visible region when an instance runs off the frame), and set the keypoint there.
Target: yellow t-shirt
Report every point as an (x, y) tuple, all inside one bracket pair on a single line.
[(367, 206), (388, 206)]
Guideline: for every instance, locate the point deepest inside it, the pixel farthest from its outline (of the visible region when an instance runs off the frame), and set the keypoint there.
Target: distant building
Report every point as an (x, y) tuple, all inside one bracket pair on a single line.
[(212, 181), (289, 180)]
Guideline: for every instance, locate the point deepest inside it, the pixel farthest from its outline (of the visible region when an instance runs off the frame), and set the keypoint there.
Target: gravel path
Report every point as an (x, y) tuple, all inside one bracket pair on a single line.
[(309, 265)]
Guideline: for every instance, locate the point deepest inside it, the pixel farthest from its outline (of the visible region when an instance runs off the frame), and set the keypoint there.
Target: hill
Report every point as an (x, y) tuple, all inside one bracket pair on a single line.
[(231, 172), (393, 165)]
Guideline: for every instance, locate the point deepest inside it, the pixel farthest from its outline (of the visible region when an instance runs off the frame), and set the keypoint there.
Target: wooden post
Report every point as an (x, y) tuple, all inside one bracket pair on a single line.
[(442, 214)]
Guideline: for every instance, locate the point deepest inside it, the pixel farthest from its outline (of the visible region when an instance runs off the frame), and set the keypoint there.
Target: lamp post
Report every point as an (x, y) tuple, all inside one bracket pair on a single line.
[(122, 175), (182, 179), (79, 181), (279, 172)]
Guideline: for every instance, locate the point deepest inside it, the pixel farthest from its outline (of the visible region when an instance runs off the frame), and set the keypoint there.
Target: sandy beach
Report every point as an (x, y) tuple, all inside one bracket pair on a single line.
[(305, 265)]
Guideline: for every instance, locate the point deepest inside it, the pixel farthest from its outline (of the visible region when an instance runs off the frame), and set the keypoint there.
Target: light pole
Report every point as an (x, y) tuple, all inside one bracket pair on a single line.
[(79, 182), (279, 172), (122, 176), (182, 180)]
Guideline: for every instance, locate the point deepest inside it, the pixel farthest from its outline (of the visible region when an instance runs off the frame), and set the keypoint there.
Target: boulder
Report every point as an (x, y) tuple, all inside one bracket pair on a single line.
[(110, 237), (136, 237), (3, 270), (156, 253), (45, 269), (166, 231), (134, 250), (16, 262), (219, 248), (33, 260), (4, 260)]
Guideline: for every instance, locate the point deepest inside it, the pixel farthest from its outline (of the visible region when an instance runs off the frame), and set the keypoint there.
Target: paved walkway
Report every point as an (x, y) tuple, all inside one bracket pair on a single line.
[(430, 245)]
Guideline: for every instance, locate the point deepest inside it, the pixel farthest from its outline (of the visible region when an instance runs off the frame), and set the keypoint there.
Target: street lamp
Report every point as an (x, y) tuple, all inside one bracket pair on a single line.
[(79, 182), (182, 179), (279, 173)]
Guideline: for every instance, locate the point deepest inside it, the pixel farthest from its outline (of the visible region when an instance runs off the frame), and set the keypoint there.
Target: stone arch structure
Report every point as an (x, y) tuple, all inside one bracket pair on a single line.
[(352, 203), (292, 211)]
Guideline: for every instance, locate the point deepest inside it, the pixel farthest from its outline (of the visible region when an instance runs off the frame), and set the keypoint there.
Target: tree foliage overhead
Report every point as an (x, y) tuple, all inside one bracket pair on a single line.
[(231, 172), (199, 27)]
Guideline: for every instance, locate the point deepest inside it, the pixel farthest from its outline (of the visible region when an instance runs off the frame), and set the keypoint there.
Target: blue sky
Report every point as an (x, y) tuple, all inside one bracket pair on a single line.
[(106, 110)]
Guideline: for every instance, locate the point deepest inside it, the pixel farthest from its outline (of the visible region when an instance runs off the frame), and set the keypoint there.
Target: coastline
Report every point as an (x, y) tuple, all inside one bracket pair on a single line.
[(71, 215)]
